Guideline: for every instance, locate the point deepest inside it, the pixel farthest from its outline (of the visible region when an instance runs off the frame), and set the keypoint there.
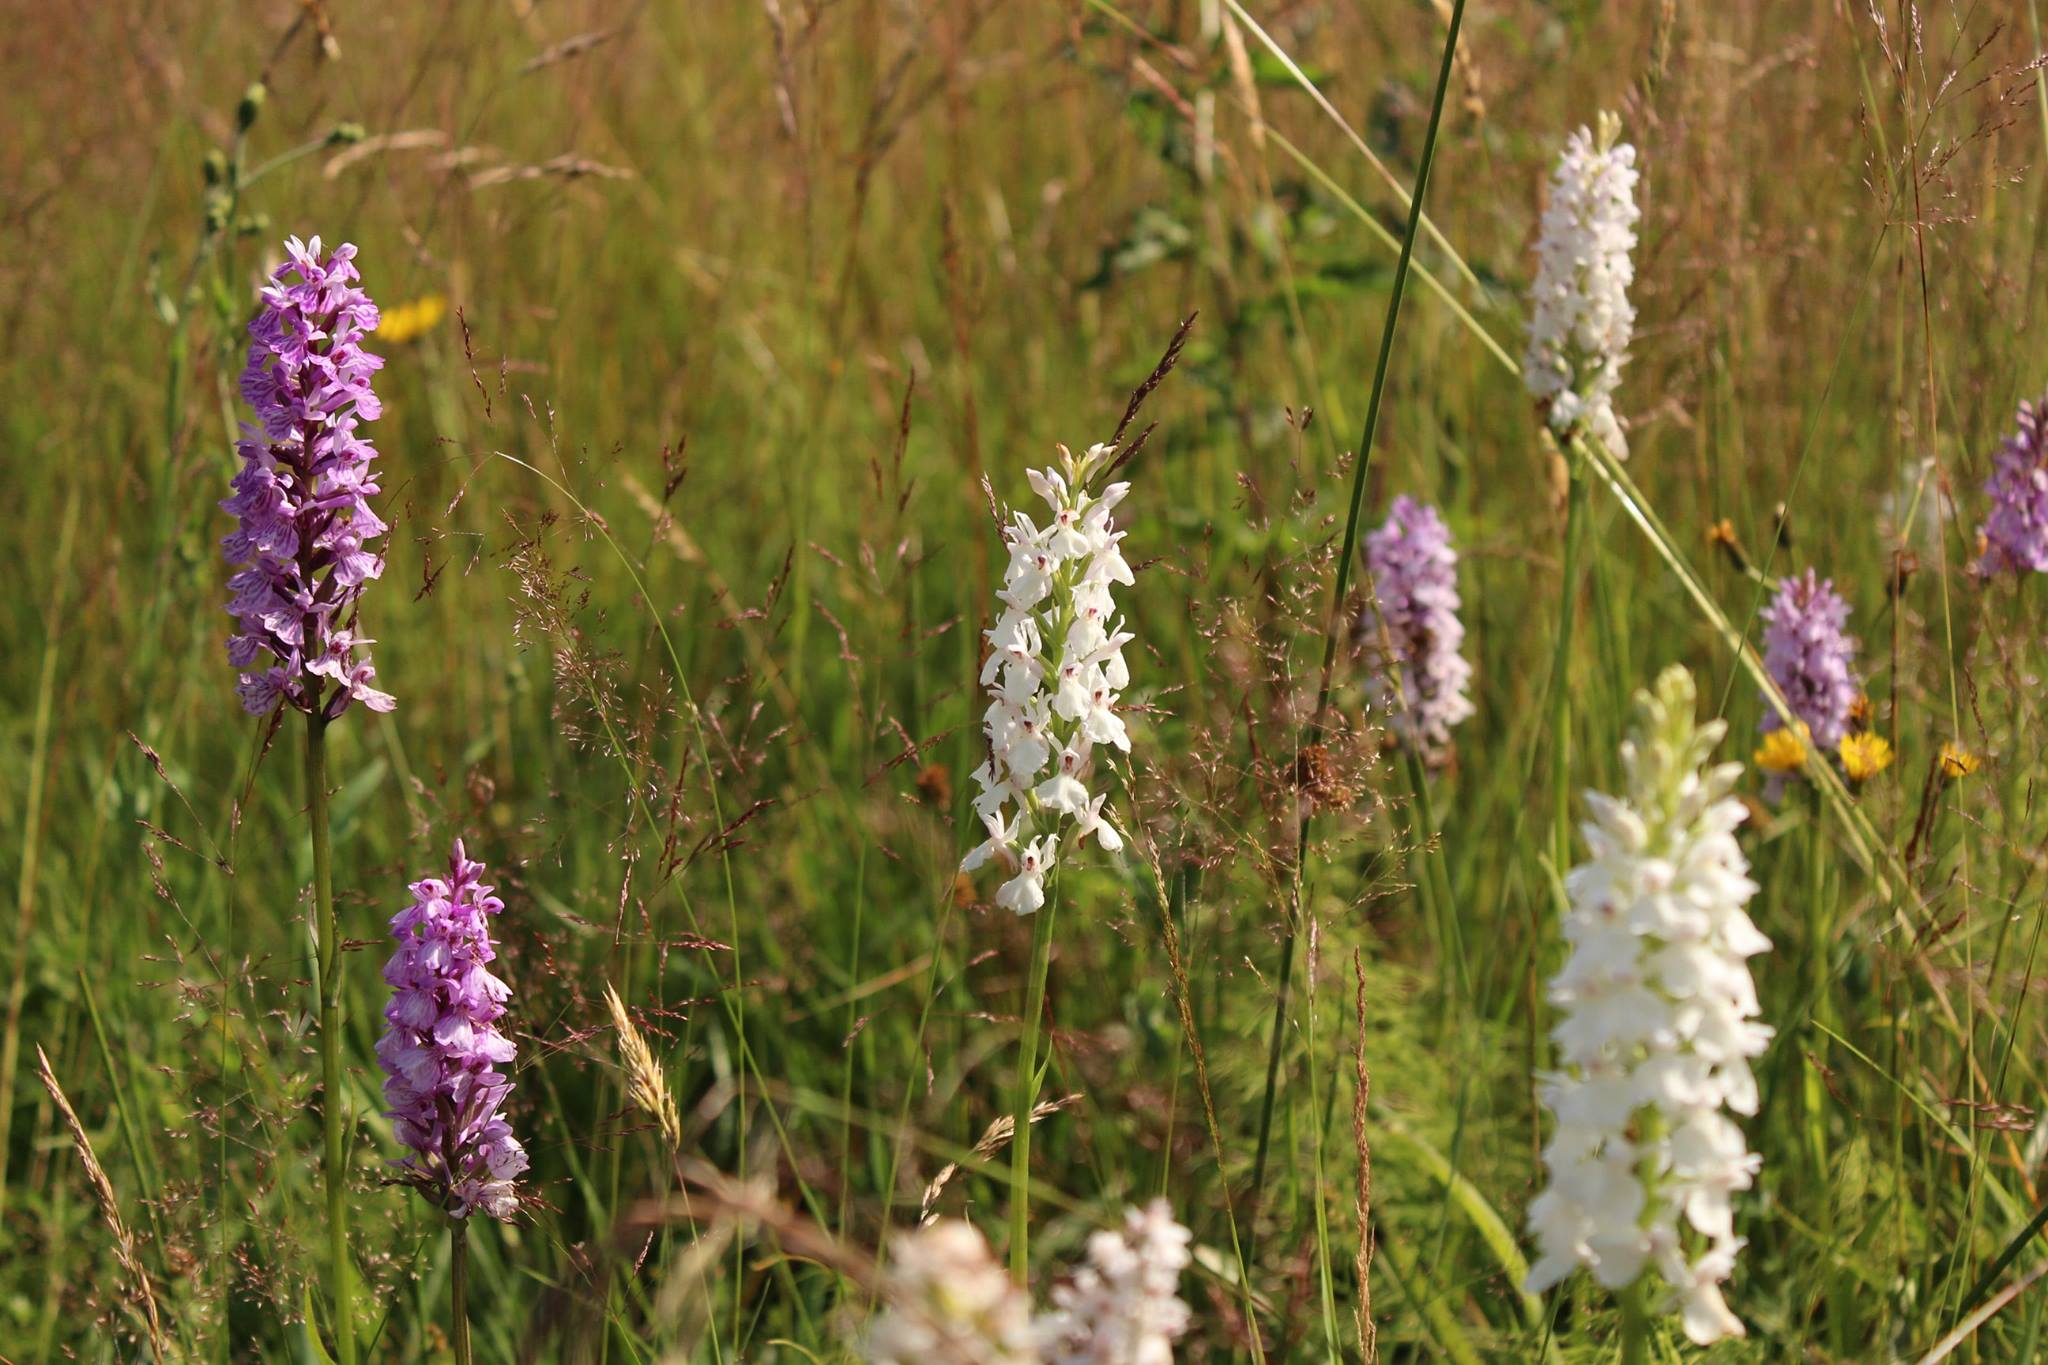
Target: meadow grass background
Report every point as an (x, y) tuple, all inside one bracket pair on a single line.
[(689, 561)]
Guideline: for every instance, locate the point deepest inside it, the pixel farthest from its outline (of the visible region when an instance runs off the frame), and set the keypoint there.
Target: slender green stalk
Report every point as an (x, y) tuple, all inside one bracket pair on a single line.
[(1818, 929), (1635, 1325), (335, 1169), (1027, 1092), (1280, 994), (1560, 666), (31, 838), (458, 1289), (1430, 873), (1342, 585)]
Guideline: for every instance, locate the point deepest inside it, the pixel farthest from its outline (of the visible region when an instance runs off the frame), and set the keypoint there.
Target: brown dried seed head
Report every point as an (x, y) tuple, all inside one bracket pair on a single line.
[(1721, 536), (935, 785), (1316, 775)]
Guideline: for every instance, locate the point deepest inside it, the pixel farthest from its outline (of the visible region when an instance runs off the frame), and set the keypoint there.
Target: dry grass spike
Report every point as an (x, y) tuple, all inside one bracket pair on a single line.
[(103, 1192), (645, 1083)]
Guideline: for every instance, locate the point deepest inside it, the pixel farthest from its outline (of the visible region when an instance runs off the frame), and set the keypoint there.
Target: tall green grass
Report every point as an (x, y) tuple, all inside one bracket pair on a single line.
[(692, 553)]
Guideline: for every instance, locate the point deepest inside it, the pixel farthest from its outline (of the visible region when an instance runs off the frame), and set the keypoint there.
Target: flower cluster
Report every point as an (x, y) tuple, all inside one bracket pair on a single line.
[(1810, 655), (1410, 632), (1121, 1307), (1054, 672), (1864, 755), (1581, 320), (2016, 533), (1658, 1027), (950, 1303), (1782, 754), (442, 1050), (302, 496)]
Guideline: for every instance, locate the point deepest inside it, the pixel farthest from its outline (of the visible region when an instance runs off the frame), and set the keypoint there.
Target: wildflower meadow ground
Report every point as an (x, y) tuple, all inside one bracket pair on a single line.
[(1088, 682)]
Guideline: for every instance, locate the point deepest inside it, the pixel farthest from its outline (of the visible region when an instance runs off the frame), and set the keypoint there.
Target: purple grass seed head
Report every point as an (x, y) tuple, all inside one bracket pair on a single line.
[(443, 1048), (302, 497), (2016, 533), (1415, 674), (1811, 657)]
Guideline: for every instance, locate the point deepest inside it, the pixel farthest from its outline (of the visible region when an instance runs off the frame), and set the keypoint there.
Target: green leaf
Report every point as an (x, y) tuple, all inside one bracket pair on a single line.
[(309, 1335)]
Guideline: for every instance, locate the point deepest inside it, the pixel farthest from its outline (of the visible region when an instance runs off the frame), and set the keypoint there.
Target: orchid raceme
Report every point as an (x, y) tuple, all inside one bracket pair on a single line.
[(1658, 1024), (442, 1049), (1411, 635), (1581, 320), (1123, 1306), (948, 1302), (2016, 533), (1054, 674), (302, 497), (1812, 657)]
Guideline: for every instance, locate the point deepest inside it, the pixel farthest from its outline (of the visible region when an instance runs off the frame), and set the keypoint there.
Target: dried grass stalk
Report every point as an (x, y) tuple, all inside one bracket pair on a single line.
[(103, 1192)]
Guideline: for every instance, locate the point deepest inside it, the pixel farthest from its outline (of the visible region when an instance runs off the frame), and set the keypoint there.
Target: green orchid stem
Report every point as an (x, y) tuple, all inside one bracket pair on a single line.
[(1560, 667), (1027, 1094), (1635, 1324), (328, 952), (458, 1288)]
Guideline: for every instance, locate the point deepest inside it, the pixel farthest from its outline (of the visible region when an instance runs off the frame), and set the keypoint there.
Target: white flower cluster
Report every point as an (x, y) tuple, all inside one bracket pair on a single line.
[(1582, 320), (949, 1303), (1121, 1308), (1659, 1024), (1054, 672)]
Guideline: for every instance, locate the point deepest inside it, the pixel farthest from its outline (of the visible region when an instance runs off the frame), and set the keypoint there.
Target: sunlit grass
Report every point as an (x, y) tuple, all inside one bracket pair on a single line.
[(690, 561)]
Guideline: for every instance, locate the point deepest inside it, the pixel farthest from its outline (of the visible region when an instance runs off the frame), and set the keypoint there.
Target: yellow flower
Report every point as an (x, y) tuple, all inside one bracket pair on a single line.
[(1865, 755), (410, 320), (1957, 762), (1783, 751)]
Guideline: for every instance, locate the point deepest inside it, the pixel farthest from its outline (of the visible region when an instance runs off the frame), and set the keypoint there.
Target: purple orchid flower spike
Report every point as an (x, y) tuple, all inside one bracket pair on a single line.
[(1417, 676), (302, 497), (1811, 657), (443, 1048), (2016, 532)]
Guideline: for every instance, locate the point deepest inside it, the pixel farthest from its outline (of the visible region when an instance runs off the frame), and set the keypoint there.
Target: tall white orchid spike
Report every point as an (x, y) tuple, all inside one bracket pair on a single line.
[(1657, 1028), (1055, 671)]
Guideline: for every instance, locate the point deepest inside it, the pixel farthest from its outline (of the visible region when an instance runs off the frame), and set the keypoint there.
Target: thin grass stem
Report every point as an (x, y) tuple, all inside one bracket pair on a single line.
[(1361, 464)]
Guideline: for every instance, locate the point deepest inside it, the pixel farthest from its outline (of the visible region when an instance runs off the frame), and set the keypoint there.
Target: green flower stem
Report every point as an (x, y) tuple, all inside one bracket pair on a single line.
[(1027, 1092), (458, 1288), (1635, 1323), (1560, 667), (334, 1170)]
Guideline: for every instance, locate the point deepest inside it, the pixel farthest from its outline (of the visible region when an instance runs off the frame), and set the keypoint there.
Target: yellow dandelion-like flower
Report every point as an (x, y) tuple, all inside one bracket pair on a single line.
[(1783, 751), (409, 321), (1957, 762), (1865, 755)]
